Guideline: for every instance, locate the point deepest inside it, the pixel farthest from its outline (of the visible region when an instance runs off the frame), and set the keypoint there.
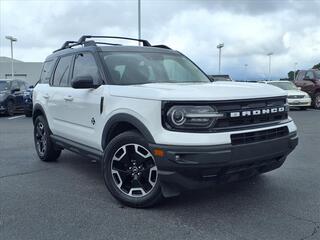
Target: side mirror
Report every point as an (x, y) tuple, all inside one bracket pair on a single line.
[(299, 88), (31, 86), (83, 82)]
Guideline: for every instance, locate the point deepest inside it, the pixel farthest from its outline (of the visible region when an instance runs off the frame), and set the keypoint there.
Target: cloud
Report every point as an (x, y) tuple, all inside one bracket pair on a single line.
[(249, 29)]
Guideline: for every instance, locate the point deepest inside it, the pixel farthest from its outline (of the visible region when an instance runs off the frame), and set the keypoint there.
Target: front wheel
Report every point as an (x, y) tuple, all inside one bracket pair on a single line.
[(316, 102), (45, 148), (130, 171)]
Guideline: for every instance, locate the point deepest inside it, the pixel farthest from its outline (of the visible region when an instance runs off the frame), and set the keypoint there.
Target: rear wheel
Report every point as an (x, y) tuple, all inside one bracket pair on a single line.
[(45, 148), (130, 172), (316, 101), (10, 108)]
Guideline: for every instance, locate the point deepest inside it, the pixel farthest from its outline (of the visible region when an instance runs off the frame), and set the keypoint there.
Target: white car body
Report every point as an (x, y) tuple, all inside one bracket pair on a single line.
[(119, 103), (143, 102)]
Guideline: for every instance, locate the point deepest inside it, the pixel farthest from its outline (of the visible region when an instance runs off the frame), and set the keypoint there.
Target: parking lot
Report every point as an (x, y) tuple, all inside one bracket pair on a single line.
[(68, 199)]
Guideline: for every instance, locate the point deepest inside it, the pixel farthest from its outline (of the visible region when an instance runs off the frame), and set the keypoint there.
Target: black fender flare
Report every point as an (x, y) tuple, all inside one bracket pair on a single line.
[(124, 117), (37, 107)]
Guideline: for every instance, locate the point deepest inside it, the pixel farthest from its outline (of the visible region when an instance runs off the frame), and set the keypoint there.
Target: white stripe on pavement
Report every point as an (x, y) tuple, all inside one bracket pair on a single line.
[(20, 116)]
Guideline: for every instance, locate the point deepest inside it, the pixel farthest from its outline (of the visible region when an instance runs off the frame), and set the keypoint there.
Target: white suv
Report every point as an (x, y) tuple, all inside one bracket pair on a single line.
[(154, 119)]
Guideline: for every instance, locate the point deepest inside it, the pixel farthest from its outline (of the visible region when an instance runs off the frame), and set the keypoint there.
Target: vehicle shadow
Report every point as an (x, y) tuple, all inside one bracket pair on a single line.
[(227, 192)]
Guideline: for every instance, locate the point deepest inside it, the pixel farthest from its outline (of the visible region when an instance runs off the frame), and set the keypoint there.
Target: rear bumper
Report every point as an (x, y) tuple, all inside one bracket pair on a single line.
[(191, 167)]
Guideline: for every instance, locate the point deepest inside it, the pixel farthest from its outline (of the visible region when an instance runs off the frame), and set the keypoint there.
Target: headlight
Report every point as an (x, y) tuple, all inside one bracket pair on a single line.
[(192, 117)]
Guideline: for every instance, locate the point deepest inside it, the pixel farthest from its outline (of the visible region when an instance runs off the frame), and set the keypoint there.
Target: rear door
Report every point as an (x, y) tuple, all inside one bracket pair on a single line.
[(57, 104), (84, 104)]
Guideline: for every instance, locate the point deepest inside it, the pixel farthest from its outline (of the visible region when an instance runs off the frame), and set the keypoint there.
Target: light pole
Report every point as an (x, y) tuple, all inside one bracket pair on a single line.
[(12, 39), (270, 54), (139, 20), (295, 70), (245, 71), (219, 46)]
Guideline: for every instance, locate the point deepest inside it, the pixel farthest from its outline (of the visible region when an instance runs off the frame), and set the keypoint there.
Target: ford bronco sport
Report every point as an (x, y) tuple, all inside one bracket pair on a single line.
[(154, 119)]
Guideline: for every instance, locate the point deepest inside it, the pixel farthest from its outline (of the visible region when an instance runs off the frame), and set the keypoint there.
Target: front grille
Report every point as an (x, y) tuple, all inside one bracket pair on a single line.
[(251, 137), (296, 96), (228, 122)]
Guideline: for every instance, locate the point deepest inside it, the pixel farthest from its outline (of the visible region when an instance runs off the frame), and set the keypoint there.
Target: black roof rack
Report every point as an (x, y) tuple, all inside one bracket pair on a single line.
[(67, 44), (144, 42), (161, 46), (83, 41)]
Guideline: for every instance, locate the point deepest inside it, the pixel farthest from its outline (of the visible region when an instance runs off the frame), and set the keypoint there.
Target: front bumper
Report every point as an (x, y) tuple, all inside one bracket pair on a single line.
[(191, 167), (303, 102)]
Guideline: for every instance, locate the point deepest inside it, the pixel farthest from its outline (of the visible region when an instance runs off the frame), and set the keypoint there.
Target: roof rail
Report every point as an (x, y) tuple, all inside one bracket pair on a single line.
[(67, 44), (83, 41), (145, 43), (94, 43), (161, 46)]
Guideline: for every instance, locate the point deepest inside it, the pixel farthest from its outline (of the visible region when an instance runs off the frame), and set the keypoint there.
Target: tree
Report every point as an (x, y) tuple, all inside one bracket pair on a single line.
[(317, 66), (291, 75)]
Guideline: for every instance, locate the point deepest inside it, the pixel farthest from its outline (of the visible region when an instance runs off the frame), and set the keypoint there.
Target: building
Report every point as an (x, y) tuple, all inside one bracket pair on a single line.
[(28, 71)]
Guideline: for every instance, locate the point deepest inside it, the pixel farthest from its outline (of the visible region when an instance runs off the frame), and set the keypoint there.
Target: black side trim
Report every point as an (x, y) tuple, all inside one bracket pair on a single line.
[(101, 104), (37, 107), (77, 147), (124, 117)]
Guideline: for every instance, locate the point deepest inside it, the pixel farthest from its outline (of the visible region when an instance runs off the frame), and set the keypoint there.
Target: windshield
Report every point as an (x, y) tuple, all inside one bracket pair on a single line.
[(128, 68), (4, 85), (284, 85)]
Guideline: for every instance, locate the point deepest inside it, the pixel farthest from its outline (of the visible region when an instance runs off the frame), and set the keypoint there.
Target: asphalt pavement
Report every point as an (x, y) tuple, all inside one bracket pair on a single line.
[(68, 199)]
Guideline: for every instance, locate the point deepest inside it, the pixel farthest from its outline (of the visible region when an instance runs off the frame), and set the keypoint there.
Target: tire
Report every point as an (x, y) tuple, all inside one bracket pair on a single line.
[(127, 159), (10, 108), (316, 101), (28, 113), (45, 148)]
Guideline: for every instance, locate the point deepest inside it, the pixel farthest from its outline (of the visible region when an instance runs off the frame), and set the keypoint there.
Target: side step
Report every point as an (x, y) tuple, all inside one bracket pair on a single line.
[(77, 147)]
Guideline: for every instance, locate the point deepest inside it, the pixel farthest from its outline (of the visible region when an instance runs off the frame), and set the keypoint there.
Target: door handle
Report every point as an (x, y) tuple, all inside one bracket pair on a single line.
[(46, 96), (68, 98)]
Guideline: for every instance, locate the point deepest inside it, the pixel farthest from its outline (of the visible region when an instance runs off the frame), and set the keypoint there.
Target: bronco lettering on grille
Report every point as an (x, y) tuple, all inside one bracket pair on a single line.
[(257, 112)]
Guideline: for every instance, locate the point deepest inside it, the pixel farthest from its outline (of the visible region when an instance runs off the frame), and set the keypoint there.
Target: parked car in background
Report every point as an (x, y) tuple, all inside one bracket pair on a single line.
[(215, 78), (296, 97), (309, 81), (27, 100), (11, 96)]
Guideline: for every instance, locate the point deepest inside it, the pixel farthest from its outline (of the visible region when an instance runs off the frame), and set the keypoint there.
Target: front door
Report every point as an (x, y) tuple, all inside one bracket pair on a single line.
[(84, 104)]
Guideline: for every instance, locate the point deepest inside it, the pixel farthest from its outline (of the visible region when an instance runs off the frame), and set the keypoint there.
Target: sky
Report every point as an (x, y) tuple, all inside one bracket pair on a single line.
[(249, 29)]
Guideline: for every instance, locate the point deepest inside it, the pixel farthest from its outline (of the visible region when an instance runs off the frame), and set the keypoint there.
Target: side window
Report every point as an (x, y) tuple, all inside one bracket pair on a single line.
[(301, 75), (23, 86), (85, 64), (61, 74), (46, 71), (309, 75), (14, 85)]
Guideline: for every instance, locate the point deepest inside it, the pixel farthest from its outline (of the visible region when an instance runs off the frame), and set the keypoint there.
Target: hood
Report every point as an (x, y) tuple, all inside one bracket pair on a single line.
[(295, 92), (197, 91)]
